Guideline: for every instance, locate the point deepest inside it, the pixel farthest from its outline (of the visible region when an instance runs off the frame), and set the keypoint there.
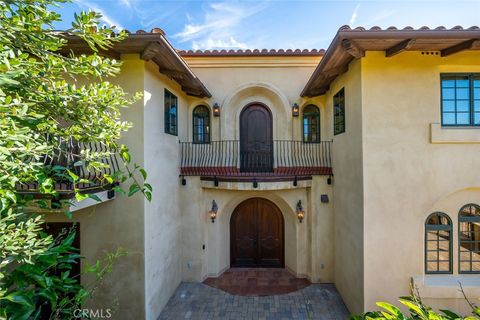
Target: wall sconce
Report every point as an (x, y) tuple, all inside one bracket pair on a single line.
[(300, 212), (213, 212), (295, 110), (216, 110)]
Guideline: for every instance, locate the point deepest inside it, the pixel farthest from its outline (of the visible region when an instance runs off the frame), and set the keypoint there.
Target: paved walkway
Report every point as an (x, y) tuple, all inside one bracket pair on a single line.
[(199, 301), (257, 281)]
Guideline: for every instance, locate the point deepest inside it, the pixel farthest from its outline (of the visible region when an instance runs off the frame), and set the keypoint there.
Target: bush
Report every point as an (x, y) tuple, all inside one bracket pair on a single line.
[(417, 310)]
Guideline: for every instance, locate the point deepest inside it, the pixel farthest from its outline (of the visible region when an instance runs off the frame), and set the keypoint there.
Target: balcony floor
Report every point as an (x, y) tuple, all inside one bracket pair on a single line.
[(278, 174)]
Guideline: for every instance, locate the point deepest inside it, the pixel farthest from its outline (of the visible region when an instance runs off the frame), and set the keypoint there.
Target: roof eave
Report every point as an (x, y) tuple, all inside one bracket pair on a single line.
[(349, 35), (166, 57)]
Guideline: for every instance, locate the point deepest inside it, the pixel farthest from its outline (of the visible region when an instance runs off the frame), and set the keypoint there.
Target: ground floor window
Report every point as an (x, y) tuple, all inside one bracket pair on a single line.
[(438, 243), (469, 238)]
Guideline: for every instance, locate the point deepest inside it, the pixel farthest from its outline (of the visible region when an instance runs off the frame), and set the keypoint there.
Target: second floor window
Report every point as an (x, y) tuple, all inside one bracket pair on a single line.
[(339, 112), (201, 125), (171, 107), (460, 99), (311, 124)]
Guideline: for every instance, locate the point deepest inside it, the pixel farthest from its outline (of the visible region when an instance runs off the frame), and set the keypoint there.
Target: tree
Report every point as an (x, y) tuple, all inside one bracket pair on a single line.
[(42, 103)]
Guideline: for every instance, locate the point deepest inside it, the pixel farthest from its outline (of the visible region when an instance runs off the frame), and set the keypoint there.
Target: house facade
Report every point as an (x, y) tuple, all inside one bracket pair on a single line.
[(356, 166)]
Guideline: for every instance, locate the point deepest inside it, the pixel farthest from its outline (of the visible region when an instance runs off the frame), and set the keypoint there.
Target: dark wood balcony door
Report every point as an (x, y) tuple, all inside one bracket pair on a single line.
[(256, 141), (257, 235)]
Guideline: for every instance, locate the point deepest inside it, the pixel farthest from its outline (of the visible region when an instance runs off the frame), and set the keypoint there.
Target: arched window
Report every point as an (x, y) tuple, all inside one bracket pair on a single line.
[(438, 243), (201, 124), (469, 238), (311, 124)]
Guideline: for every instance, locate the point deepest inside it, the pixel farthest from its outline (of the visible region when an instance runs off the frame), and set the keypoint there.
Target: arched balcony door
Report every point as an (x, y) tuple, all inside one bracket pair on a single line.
[(256, 139)]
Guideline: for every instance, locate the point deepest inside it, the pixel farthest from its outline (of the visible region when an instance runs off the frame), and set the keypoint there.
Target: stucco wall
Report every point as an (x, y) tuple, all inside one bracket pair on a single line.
[(163, 219), (234, 83), (348, 189), (120, 222), (275, 82), (406, 176), (308, 245)]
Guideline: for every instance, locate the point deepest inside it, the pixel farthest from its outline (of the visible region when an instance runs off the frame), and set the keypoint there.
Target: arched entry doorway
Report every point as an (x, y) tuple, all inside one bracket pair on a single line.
[(257, 235), (256, 144)]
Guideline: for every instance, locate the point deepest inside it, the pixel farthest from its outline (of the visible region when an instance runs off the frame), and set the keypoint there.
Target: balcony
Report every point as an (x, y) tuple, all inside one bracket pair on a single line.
[(231, 160), (68, 154)]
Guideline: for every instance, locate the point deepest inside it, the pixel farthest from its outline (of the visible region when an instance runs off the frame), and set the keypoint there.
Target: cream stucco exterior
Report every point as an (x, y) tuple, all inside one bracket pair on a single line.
[(406, 176), (394, 165)]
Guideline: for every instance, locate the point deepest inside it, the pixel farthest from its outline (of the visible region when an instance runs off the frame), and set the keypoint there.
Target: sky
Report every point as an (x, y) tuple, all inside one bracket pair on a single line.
[(274, 24)]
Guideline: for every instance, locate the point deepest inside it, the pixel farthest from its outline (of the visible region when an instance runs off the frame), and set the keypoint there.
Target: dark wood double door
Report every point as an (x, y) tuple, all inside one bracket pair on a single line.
[(257, 235)]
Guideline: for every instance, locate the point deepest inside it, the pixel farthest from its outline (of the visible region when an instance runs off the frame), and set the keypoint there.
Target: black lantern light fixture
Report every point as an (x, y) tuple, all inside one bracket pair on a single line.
[(213, 212), (295, 110), (216, 110), (300, 212)]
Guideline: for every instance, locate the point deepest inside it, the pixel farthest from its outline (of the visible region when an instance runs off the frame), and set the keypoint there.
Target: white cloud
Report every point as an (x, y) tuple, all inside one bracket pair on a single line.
[(221, 26), (210, 43), (105, 18), (126, 3), (354, 16)]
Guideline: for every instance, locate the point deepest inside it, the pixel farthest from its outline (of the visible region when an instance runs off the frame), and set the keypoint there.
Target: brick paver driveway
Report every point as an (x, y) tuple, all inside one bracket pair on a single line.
[(199, 301)]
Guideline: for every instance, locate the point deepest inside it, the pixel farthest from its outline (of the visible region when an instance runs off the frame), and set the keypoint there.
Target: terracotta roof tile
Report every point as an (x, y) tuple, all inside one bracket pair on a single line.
[(393, 28), (252, 52)]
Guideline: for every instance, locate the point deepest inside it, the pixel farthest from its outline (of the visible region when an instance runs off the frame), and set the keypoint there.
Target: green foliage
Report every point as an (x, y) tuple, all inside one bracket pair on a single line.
[(49, 94), (416, 311)]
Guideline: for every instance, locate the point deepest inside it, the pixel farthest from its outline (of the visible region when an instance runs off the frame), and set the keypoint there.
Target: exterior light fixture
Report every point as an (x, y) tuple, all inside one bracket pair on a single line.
[(329, 180), (213, 212), (295, 110), (300, 212), (216, 110)]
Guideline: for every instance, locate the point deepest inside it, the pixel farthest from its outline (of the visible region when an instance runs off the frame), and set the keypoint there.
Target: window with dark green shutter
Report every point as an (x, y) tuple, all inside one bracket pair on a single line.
[(171, 109), (460, 99), (339, 112)]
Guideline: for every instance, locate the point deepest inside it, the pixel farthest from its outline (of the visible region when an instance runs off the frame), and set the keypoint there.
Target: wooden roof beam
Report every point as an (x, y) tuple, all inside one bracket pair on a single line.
[(318, 91), (150, 51), (399, 47), (466, 45), (173, 74), (352, 48), (334, 72)]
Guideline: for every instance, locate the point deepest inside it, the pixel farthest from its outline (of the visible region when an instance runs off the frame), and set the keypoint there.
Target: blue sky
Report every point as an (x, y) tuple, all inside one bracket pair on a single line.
[(274, 24)]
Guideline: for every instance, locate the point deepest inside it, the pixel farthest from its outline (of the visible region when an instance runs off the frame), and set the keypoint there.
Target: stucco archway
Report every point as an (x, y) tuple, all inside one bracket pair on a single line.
[(259, 92), (218, 259)]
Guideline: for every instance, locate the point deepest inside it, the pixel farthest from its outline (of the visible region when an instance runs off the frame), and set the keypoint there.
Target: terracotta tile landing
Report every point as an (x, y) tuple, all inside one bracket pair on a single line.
[(257, 281)]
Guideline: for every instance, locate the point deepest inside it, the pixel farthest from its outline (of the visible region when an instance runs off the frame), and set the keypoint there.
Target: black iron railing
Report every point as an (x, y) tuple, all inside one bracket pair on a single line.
[(74, 156), (231, 158)]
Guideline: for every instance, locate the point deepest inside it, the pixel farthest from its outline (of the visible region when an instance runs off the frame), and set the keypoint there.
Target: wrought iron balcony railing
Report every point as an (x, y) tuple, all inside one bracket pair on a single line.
[(231, 158), (68, 154)]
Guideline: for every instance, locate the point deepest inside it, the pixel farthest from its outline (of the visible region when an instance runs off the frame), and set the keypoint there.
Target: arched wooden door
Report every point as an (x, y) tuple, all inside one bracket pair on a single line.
[(256, 144), (257, 235)]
